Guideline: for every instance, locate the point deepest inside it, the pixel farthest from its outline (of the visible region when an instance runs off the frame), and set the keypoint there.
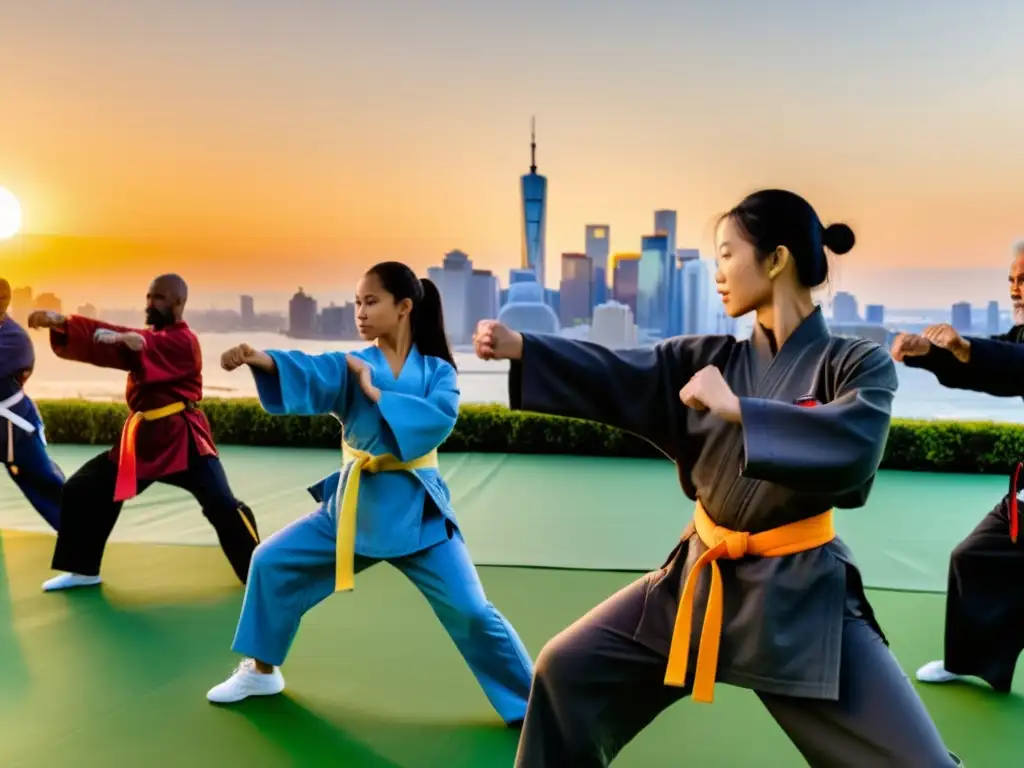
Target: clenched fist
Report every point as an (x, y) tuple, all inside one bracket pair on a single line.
[(494, 341), (364, 374), (909, 345), (707, 390), (243, 354), (41, 318), (945, 336), (134, 341)]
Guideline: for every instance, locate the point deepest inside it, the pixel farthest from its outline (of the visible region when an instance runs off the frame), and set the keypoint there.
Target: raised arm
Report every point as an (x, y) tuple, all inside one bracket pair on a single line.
[(948, 371), (994, 367), (73, 338), (636, 390), (831, 448), (420, 424), (299, 384)]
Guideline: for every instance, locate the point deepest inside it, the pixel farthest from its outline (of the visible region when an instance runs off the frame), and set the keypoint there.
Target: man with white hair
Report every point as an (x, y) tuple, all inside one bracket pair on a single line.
[(985, 598)]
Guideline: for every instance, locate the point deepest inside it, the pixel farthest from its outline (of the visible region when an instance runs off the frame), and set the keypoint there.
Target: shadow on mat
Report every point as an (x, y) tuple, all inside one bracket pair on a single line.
[(13, 670), (348, 737)]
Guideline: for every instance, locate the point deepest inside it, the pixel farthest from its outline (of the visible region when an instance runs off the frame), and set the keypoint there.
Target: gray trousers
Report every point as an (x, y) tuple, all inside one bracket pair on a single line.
[(595, 688)]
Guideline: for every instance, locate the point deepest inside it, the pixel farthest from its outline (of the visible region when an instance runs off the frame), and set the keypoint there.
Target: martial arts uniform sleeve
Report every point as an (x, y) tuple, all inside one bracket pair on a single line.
[(420, 424), (831, 448), (995, 368), (303, 385), (948, 371), (75, 342), (636, 390)]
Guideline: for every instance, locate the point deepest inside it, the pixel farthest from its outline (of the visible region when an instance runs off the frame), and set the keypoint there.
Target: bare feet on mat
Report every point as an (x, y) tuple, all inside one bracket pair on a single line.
[(247, 681), (70, 581), (935, 672)]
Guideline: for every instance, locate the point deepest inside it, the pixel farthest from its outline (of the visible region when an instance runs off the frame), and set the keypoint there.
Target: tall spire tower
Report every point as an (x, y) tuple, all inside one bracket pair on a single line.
[(534, 192), (533, 145)]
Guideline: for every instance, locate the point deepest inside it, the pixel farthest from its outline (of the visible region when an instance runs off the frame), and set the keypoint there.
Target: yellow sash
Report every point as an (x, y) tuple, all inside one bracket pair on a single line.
[(723, 543), (362, 461), (125, 485)]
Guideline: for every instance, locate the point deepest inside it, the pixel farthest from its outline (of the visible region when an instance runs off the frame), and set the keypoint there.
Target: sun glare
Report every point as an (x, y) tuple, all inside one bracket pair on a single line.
[(10, 214)]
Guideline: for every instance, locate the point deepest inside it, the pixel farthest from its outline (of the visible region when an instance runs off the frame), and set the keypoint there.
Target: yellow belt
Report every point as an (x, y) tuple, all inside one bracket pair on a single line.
[(723, 543), (125, 485), (362, 461)]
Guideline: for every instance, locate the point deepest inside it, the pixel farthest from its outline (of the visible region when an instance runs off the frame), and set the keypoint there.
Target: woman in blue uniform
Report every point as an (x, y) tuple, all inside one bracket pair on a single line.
[(397, 401)]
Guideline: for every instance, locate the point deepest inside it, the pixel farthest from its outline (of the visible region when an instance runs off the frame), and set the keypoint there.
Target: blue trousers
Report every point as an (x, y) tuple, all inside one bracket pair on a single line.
[(294, 570), (33, 471)]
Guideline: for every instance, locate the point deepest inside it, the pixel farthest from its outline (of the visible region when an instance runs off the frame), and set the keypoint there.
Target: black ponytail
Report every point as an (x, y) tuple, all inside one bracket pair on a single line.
[(428, 324), (427, 318)]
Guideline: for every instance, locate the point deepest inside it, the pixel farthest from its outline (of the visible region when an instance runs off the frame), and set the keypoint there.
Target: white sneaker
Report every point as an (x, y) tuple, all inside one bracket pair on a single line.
[(69, 581), (245, 682), (935, 672)]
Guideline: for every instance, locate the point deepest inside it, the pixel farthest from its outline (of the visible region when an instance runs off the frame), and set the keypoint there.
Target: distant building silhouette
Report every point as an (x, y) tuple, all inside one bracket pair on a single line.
[(526, 311), (694, 305), (992, 322), (48, 302), (302, 315), (844, 308), (484, 300), (575, 294), (654, 287), (454, 279), (625, 274), (961, 317), (534, 192), (598, 249), (874, 314), (247, 309), (613, 325)]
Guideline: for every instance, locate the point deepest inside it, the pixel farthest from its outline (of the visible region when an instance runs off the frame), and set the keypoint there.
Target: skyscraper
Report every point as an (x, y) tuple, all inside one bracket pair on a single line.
[(534, 190), (598, 249), (654, 291), (575, 289)]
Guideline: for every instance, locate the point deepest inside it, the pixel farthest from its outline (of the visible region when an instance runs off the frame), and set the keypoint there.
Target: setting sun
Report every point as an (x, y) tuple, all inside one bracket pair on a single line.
[(10, 214)]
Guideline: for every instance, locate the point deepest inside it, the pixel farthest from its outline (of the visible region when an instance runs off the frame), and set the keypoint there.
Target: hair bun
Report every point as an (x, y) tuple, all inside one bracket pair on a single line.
[(838, 238)]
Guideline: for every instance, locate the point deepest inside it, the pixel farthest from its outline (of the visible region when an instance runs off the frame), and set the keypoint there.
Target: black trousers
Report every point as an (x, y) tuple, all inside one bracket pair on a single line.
[(595, 688), (89, 513), (985, 602)]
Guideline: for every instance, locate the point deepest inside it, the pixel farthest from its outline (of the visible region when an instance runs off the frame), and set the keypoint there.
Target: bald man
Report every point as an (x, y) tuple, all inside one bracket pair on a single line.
[(22, 442), (985, 597), (165, 439)]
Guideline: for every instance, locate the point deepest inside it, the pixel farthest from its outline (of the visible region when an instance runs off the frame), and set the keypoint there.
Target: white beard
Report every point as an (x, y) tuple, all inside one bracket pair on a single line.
[(1018, 316)]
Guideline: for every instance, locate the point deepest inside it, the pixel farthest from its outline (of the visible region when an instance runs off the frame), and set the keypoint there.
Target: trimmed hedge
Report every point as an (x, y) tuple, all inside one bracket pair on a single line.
[(936, 446)]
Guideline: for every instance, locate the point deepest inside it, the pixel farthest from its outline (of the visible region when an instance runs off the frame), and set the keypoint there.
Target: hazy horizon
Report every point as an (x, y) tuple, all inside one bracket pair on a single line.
[(258, 145)]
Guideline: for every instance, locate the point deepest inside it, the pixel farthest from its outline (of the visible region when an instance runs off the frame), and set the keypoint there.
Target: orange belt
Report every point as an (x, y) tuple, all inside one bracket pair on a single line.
[(126, 486), (788, 539)]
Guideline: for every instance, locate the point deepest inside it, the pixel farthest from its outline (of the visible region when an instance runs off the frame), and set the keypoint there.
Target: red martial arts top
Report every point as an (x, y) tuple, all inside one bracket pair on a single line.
[(166, 371)]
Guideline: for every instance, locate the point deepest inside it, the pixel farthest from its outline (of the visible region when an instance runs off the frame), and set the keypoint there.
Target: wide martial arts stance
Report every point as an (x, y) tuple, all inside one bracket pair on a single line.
[(22, 440), (166, 438), (769, 435), (397, 402), (984, 633)]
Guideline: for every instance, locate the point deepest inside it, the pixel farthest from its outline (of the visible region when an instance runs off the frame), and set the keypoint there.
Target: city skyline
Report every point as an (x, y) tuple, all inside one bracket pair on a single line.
[(276, 164)]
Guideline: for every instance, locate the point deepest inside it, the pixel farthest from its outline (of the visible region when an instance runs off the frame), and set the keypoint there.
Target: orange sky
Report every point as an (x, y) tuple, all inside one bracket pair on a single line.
[(283, 148)]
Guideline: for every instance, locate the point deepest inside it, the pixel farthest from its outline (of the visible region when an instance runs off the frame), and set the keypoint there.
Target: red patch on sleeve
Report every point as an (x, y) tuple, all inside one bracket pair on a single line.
[(807, 402)]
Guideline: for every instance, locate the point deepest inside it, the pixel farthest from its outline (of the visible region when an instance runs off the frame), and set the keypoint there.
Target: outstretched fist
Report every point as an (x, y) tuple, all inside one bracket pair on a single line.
[(495, 341), (945, 336), (238, 356), (909, 345), (42, 318)]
